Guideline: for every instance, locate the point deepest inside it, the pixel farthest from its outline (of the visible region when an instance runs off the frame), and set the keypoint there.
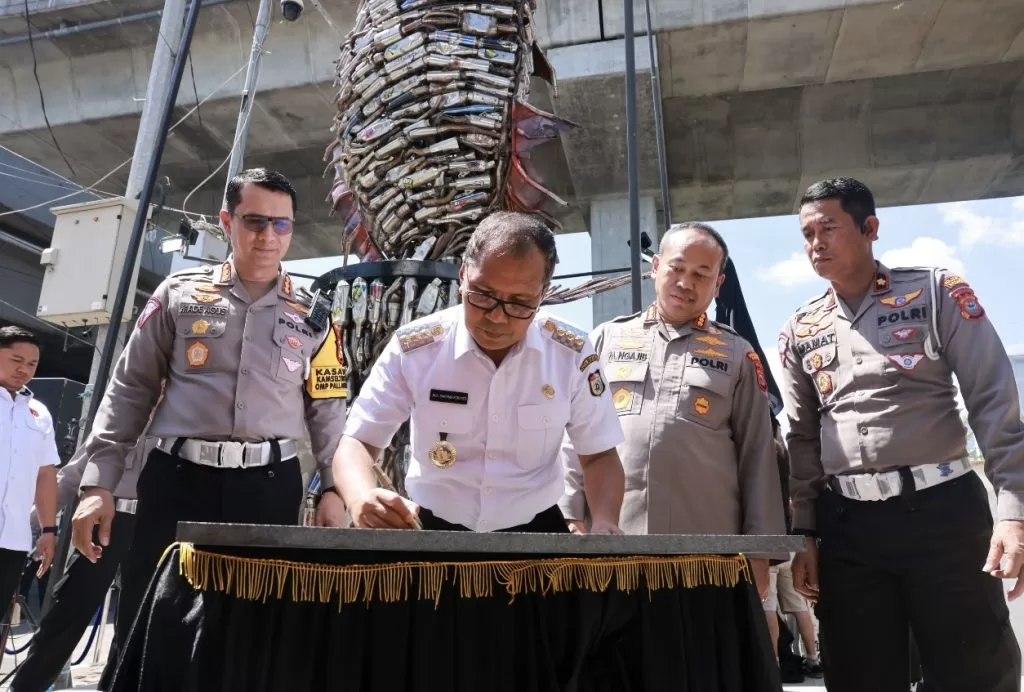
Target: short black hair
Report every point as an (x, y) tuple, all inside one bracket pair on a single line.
[(854, 197), (703, 228), (512, 233), (17, 335), (261, 177)]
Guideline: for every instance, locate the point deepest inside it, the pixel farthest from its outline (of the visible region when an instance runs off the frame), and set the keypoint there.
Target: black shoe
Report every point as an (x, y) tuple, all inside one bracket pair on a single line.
[(812, 669)]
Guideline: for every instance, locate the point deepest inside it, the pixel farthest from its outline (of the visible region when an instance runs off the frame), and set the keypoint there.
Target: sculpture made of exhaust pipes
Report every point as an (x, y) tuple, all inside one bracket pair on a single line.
[(433, 132)]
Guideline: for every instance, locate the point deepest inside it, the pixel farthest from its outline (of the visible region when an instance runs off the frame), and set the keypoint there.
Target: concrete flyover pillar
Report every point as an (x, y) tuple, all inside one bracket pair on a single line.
[(609, 233)]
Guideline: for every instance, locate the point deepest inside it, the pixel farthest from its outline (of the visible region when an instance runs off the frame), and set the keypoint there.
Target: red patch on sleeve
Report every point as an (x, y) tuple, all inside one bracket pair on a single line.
[(152, 307), (762, 381)]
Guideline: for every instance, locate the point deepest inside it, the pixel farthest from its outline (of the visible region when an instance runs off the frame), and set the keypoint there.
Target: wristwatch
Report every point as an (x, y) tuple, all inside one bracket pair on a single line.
[(50, 529)]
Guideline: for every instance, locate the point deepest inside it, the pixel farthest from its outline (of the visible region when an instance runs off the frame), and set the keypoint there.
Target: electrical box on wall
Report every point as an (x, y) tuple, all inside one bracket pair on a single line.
[(84, 262)]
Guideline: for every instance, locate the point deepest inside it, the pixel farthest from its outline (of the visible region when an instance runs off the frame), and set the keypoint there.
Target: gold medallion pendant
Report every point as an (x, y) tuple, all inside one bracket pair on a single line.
[(442, 454)]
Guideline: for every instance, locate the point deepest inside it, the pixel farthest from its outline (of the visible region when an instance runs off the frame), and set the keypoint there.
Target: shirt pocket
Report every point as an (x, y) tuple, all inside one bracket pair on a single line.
[(821, 365), (30, 436), (294, 343), (453, 422), (705, 397), (198, 345), (627, 384), (541, 429), (902, 348)]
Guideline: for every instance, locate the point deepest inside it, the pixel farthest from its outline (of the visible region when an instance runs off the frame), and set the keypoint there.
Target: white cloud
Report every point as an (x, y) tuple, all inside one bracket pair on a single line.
[(794, 271), (925, 252), (975, 228)]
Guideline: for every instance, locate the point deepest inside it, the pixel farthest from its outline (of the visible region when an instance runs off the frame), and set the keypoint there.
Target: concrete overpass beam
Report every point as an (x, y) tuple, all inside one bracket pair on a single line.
[(609, 232)]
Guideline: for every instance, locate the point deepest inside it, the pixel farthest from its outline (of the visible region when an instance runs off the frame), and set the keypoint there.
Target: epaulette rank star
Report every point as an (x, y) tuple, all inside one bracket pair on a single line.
[(413, 337), (566, 335)]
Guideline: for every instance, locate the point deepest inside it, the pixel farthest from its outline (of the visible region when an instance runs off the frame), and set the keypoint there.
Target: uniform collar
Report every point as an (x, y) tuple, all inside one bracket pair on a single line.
[(880, 282), (24, 394), (671, 330), (284, 285), (226, 273), (226, 277), (464, 343)]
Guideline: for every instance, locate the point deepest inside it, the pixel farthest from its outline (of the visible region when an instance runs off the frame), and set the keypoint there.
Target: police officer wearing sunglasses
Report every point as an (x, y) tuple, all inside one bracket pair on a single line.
[(234, 348), (491, 387)]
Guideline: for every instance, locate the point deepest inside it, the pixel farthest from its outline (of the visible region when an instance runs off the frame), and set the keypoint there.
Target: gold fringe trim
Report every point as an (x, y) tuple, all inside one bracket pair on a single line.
[(258, 579)]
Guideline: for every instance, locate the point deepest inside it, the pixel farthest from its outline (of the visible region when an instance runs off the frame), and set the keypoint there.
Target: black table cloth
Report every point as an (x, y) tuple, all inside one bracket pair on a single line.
[(220, 619)]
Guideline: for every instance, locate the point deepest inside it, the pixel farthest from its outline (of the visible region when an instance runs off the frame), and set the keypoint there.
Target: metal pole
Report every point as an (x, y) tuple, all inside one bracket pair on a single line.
[(252, 76), (631, 159), (138, 228), (150, 131), (659, 134)]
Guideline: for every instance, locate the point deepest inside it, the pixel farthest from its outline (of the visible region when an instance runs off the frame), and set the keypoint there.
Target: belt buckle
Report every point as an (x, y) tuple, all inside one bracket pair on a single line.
[(868, 489), (232, 455)]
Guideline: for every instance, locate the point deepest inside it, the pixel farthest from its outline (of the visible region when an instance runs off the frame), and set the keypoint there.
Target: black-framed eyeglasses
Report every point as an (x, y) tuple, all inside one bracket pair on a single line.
[(515, 310), (257, 223)]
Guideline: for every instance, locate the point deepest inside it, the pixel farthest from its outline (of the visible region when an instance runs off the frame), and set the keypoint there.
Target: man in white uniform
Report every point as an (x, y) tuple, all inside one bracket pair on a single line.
[(491, 386), (28, 462)]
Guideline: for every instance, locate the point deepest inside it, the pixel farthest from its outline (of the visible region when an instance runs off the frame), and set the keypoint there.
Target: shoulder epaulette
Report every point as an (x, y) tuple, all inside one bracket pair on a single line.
[(723, 327), (812, 303), (414, 336), (565, 334), (627, 318), (202, 271), (911, 269)]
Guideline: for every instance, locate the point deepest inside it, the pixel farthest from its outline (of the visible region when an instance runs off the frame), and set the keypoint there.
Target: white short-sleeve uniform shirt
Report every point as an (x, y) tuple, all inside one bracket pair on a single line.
[(27, 443), (506, 422)]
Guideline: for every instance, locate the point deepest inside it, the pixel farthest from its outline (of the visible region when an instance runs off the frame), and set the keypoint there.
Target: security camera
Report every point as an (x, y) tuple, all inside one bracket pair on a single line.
[(291, 9)]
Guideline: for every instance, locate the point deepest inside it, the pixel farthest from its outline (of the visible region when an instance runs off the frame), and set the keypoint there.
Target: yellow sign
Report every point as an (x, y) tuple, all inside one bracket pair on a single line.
[(328, 372), (701, 405)]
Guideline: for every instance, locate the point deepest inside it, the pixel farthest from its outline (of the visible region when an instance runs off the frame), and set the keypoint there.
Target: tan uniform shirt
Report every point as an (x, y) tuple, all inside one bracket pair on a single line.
[(235, 370), (69, 476), (699, 455), (862, 392)]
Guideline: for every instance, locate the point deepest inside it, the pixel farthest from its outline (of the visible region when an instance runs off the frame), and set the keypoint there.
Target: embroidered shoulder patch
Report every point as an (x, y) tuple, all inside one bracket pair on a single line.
[(588, 361), (152, 307), (413, 337), (762, 381), (566, 334)]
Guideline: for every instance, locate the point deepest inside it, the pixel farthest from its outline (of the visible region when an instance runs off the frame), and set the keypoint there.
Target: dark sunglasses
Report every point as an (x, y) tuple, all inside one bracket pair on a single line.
[(258, 223), (484, 302)]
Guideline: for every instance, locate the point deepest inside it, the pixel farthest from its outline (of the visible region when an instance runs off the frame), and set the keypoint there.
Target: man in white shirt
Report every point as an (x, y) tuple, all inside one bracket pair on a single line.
[(28, 462), (491, 387)]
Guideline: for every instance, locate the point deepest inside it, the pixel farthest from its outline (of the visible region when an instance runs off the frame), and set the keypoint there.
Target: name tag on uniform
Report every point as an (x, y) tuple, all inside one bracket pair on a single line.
[(449, 397)]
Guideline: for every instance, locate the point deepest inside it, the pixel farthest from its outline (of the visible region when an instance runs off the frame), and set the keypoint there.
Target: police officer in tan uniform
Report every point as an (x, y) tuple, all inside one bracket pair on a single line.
[(234, 347), (691, 395), (880, 474)]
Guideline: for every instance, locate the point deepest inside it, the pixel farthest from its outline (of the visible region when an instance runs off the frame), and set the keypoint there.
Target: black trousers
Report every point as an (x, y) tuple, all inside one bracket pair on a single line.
[(12, 563), (548, 521), (76, 597), (913, 563), (171, 490)]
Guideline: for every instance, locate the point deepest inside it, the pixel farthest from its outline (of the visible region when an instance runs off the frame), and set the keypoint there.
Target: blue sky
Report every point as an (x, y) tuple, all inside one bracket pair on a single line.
[(982, 240)]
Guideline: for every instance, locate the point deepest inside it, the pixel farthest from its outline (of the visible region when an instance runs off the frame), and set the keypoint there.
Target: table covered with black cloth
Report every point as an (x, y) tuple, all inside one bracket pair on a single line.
[(237, 618)]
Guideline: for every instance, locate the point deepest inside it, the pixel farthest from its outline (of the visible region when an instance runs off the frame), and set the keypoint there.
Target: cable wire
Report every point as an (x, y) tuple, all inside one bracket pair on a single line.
[(51, 325), (124, 163), (39, 85)]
